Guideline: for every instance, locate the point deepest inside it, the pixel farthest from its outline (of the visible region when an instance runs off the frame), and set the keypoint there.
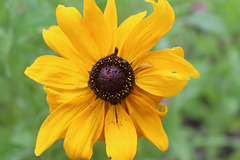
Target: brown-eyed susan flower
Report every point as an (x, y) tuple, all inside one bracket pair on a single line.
[(105, 85)]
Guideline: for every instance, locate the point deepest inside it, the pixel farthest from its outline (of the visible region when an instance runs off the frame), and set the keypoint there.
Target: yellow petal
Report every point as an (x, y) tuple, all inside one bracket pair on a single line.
[(146, 34), (97, 25), (57, 41), (148, 122), (107, 107), (57, 72), (120, 134), (154, 4), (162, 110), (158, 108), (124, 105), (110, 14), (85, 130), (55, 97), (126, 27), (156, 99), (160, 82), (57, 123), (176, 50), (167, 60), (72, 24)]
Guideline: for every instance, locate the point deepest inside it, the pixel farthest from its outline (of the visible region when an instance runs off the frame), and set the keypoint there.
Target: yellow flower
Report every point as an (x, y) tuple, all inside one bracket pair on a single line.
[(105, 86)]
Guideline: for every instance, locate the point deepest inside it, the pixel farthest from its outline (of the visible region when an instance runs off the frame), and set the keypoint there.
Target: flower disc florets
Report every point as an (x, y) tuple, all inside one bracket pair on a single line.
[(112, 79)]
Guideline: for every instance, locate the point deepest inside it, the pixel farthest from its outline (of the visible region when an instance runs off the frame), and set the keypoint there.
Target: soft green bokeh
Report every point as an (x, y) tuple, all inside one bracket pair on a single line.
[(203, 122)]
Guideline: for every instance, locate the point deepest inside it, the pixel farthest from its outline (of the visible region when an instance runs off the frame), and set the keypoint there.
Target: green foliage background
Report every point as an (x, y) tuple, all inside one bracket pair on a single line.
[(203, 121)]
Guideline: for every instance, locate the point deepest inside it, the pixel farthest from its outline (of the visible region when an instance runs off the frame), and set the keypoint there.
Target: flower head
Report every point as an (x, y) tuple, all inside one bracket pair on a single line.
[(106, 85)]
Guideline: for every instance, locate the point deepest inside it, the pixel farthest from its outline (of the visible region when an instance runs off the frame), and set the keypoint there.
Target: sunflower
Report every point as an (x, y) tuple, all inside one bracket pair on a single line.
[(105, 85)]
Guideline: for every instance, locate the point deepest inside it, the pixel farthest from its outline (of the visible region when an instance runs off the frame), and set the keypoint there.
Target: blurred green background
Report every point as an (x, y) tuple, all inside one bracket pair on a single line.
[(203, 122)]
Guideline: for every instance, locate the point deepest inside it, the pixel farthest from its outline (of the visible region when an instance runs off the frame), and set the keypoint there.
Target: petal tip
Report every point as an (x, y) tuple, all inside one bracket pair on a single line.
[(44, 31), (37, 153), (60, 6), (73, 155), (164, 146), (26, 71), (144, 12), (196, 76)]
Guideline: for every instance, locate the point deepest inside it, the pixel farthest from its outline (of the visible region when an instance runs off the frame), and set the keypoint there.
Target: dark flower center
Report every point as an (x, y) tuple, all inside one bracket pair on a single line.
[(112, 78)]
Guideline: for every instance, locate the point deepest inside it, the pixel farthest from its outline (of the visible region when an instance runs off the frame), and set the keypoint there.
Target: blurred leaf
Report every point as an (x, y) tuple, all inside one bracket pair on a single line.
[(207, 22)]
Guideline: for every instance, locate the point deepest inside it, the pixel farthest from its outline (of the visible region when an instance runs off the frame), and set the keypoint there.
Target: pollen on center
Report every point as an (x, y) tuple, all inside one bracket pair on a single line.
[(112, 78)]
